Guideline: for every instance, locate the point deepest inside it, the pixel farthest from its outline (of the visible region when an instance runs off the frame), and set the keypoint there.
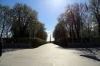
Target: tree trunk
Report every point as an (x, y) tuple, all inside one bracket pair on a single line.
[(2, 30), (99, 28)]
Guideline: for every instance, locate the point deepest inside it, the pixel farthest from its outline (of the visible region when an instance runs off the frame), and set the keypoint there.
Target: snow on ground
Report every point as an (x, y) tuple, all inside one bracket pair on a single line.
[(92, 53)]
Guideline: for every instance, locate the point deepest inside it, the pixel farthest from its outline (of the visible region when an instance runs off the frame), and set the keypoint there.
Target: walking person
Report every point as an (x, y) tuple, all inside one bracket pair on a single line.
[(0, 47)]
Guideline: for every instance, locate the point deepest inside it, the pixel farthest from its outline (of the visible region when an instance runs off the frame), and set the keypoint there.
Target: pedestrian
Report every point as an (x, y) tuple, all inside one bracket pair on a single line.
[(0, 47)]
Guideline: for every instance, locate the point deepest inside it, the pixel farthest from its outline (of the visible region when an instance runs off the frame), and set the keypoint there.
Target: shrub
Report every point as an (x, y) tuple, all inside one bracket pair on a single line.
[(62, 42), (35, 42)]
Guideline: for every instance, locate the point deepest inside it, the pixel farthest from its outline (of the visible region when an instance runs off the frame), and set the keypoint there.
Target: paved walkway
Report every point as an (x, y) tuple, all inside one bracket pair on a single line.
[(46, 55)]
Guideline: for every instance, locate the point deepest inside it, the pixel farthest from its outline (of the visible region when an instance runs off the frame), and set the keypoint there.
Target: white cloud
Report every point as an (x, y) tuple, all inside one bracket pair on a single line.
[(48, 31)]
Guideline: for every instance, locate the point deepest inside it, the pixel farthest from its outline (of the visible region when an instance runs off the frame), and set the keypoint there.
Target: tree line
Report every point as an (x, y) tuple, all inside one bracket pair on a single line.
[(20, 21), (80, 20)]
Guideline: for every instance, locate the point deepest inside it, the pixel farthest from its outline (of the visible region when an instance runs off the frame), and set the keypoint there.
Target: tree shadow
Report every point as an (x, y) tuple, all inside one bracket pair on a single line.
[(90, 50), (61, 47), (86, 52), (10, 49), (91, 57)]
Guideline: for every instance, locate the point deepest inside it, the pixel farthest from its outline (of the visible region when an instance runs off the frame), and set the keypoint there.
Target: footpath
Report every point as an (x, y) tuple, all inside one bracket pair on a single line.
[(46, 55)]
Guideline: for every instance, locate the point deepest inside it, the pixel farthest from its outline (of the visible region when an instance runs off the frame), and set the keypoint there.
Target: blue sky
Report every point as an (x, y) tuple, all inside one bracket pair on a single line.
[(48, 10)]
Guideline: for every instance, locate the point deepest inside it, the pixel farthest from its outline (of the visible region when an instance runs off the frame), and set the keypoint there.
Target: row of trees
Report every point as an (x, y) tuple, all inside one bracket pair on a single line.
[(20, 21), (80, 20)]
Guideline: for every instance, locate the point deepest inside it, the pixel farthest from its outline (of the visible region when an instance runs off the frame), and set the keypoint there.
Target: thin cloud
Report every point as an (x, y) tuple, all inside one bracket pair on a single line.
[(48, 31)]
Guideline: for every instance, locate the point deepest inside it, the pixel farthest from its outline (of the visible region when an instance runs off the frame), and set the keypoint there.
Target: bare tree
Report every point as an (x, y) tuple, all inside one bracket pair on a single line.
[(94, 8)]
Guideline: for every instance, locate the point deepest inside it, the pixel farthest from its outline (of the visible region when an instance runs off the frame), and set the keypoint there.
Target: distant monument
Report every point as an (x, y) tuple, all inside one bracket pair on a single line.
[(50, 38)]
